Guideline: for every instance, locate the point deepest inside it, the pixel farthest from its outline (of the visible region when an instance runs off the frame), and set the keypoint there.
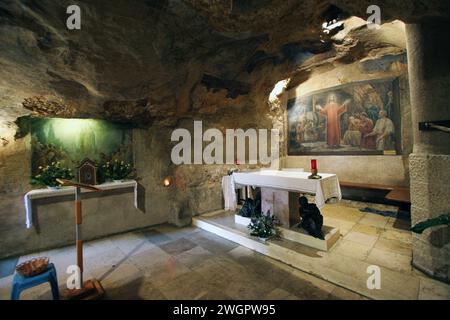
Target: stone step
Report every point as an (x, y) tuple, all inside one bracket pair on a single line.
[(299, 235)]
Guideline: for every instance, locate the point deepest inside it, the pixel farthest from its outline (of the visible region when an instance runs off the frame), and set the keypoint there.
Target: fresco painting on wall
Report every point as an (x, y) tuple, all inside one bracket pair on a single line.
[(359, 118), (70, 141)]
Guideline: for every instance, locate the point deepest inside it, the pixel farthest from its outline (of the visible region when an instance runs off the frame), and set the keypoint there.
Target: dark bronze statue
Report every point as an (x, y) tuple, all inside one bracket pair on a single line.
[(312, 220), (252, 207)]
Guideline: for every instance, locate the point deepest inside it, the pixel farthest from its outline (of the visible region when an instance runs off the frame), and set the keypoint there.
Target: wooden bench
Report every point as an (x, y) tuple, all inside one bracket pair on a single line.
[(394, 193), (400, 194), (366, 186)]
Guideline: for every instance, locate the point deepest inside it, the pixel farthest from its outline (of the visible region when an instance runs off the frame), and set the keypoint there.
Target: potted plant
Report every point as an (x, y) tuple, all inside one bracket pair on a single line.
[(117, 170), (47, 175), (262, 226)]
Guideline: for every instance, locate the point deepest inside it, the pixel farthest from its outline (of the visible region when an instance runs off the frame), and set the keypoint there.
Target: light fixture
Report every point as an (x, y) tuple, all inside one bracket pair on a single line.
[(167, 182)]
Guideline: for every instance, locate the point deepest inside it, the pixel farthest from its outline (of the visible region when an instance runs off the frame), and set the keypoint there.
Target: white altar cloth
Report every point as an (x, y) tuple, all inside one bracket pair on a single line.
[(325, 188), (48, 193)]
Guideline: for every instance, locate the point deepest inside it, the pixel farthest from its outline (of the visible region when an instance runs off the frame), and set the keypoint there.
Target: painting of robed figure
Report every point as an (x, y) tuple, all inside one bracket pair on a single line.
[(356, 118)]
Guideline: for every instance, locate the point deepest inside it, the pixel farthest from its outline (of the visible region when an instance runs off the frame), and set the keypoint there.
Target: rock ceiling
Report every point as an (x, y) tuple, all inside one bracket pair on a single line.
[(156, 60)]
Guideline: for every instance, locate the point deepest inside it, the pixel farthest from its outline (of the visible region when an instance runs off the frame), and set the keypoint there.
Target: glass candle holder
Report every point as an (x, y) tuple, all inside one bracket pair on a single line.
[(314, 166)]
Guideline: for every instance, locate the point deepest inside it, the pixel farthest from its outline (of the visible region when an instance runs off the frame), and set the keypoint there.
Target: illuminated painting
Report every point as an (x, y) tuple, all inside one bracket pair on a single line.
[(72, 140), (357, 118)]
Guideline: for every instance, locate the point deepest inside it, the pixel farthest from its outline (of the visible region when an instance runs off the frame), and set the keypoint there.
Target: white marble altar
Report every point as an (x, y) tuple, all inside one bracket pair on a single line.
[(280, 191)]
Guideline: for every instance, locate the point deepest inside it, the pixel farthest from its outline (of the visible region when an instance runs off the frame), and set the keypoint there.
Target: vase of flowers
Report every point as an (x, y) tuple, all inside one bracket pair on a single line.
[(47, 175), (117, 170)]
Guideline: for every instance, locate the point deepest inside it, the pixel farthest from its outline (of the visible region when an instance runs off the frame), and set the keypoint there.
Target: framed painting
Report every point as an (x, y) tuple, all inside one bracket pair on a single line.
[(71, 141), (361, 118)]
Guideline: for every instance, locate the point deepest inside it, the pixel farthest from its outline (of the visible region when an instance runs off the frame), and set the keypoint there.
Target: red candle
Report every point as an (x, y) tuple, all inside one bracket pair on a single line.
[(313, 164)]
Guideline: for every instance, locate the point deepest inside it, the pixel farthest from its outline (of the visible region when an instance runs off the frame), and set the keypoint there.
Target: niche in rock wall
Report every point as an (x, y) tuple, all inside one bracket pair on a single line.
[(360, 118), (70, 141)]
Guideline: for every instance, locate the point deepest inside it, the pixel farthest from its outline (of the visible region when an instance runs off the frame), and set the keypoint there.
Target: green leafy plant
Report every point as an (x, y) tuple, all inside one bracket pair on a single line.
[(47, 175), (443, 219), (117, 170), (262, 225)]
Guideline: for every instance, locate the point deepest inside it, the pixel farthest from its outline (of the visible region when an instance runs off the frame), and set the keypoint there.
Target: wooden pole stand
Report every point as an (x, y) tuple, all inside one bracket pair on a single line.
[(90, 289)]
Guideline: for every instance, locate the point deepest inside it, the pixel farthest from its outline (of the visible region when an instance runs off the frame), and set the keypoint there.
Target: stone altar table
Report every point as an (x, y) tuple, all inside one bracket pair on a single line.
[(63, 191)]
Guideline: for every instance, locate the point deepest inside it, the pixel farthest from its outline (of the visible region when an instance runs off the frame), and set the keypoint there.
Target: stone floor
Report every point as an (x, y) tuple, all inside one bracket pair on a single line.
[(366, 240), (382, 241), (165, 262), (376, 239)]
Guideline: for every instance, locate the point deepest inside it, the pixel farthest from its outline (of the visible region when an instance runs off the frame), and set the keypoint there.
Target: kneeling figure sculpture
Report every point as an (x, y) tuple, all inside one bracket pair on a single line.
[(311, 219)]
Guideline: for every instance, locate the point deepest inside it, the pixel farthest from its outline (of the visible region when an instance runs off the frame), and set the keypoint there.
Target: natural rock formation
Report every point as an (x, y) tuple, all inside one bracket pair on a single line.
[(150, 61)]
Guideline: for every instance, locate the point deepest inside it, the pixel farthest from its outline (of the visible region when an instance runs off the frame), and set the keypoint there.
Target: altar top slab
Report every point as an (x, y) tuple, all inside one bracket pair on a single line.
[(294, 181), (64, 191), (288, 174)]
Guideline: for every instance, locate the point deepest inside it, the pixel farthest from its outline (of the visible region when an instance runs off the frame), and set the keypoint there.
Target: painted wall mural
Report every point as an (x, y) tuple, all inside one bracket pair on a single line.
[(72, 140), (358, 118)]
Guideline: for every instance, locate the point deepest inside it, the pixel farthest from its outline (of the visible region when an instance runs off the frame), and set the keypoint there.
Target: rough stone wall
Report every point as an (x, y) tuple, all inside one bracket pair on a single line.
[(198, 187), (15, 166)]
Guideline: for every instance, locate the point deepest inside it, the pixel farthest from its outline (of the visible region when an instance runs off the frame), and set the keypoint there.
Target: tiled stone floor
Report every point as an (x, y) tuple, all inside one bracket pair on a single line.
[(379, 240), (366, 240), (376, 239), (165, 262)]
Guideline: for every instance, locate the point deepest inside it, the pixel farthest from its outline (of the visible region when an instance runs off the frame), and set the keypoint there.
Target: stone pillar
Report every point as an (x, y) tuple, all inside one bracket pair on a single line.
[(282, 204), (429, 76)]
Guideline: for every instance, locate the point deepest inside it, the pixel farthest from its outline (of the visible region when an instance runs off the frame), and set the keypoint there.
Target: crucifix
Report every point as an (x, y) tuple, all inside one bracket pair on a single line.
[(90, 289)]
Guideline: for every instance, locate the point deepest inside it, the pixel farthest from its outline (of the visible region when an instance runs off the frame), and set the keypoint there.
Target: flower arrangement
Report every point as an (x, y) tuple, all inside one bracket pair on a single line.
[(48, 175), (117, 170), (262, 225)]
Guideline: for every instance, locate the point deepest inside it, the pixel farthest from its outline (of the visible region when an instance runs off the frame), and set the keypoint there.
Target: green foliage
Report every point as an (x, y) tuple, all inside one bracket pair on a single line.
[(47, 175), (420, 227), (262, 225), (117, 170)]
